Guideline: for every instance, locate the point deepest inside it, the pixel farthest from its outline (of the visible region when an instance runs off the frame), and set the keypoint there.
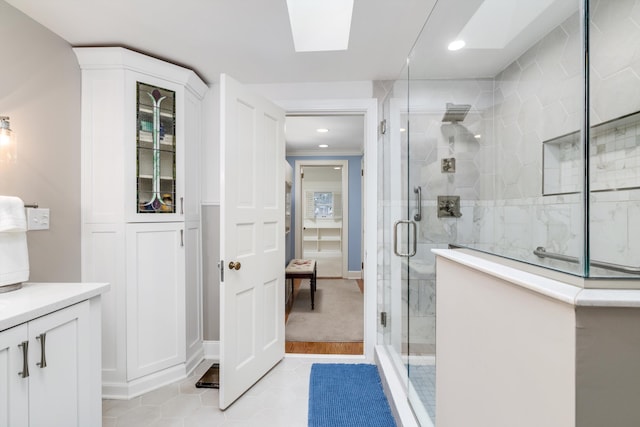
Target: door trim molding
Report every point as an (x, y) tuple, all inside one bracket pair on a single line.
[(368, 107)]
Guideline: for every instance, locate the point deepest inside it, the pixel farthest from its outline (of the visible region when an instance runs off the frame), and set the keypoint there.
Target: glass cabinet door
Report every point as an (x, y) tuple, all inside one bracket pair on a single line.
[(156, 149)]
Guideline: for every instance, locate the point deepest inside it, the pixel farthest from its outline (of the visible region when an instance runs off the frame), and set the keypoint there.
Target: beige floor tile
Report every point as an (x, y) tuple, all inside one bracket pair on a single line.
[(168, 422), (180, 406), (161, 395), (117, 408), (211, 397), (279, 399), (206, 417), (139, 416)]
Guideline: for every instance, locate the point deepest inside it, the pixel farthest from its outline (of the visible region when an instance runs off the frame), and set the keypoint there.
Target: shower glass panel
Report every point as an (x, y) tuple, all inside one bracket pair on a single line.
[(487, 123), (392, 160), (614, 139)]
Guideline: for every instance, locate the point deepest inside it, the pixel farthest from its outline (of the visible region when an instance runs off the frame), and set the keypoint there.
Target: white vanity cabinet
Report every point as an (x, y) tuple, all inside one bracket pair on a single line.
[(50, 365), (141, 138), (58, 393), (14, 390)]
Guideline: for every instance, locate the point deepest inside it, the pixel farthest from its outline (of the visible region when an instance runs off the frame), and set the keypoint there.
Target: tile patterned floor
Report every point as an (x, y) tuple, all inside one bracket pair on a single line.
[(279, 399), (423, 378)]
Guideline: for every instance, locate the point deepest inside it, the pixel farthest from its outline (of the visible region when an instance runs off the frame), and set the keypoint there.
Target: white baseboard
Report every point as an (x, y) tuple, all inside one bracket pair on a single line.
[(130, 389), (354, 274), (211, 350), (194, 360)]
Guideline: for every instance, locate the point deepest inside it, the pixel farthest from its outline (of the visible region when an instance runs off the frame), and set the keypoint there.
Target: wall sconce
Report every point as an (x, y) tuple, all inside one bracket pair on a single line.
[(8, 145)]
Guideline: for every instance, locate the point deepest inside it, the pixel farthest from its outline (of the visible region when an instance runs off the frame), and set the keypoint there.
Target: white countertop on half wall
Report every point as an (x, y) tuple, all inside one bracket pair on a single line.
[(551, 288), (37, 299)]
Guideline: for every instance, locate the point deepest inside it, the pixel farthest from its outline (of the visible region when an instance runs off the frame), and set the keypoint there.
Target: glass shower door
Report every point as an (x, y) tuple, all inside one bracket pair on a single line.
[(409, 298)]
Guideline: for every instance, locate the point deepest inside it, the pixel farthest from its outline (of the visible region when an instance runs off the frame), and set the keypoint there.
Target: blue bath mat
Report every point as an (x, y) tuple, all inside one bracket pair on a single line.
[(347, 395)]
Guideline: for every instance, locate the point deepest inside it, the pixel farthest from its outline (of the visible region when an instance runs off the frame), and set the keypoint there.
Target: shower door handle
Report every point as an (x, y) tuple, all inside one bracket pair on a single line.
[(415, 238), (418, 191)]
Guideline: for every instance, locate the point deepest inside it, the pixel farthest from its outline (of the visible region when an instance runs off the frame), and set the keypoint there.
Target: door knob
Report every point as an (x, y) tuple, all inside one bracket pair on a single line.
[(234, 265)]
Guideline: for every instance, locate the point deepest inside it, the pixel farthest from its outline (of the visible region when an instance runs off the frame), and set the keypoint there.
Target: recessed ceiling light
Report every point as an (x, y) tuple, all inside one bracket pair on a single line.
[(320, 25), (323, 146), (478, 136), (456, 45), (322, 130), (403, 130), (337, 168)]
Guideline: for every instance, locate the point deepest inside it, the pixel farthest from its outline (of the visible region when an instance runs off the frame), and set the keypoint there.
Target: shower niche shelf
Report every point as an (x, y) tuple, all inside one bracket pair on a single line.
[(614, 158)]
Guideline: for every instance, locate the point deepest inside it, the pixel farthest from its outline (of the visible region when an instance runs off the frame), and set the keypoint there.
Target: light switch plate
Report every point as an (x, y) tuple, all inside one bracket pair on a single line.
[(38, 219)]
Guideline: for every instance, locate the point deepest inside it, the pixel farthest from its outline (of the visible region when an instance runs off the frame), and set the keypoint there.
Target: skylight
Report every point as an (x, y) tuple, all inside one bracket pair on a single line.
[(320, 25), (497, 22)]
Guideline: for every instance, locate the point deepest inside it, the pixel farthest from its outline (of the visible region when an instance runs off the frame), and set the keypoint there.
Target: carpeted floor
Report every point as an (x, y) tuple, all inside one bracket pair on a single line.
[(338, 314), (351, 395)]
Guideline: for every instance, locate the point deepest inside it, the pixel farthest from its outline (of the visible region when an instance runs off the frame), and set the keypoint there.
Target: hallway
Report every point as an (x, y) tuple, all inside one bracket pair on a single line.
[(311, 348)]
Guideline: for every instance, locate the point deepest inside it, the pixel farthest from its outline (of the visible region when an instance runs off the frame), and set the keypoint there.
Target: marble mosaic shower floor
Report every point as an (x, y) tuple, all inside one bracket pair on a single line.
[(423, 379)]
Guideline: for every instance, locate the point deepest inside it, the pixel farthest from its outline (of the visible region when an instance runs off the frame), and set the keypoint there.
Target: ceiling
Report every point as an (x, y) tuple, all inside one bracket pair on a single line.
[(247, 39), (344, 138), (251, 41)]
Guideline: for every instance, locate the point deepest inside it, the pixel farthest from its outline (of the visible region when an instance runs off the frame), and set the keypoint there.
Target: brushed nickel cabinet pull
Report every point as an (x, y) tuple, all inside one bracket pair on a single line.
[(43, 357), (181, 205), (181, 237), (25, 359)]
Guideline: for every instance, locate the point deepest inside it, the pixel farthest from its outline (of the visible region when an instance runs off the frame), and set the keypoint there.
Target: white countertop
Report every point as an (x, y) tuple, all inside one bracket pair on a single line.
[(555, 289), (37, 299)]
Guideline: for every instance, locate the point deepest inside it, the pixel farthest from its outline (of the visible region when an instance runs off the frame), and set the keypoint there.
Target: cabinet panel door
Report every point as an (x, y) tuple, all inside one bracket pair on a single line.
[(14, 407), (155, 297), (59, 393)]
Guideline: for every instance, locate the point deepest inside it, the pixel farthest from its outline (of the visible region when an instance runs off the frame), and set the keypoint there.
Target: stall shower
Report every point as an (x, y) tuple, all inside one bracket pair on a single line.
[(499, 157)]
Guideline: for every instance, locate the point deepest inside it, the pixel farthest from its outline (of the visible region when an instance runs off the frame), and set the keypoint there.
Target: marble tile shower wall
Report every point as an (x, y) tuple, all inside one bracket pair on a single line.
[(538, 97)]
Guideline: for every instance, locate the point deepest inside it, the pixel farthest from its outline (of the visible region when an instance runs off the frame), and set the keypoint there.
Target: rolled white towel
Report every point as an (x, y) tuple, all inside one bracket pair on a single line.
[(12, 215)]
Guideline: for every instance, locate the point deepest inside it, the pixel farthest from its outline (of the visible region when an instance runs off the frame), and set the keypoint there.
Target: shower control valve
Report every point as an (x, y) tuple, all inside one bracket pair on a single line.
[(449, 207), (448, 165)]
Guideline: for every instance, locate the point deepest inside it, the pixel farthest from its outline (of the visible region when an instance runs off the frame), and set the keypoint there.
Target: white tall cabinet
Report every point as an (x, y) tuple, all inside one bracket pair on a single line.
[(141, 136)]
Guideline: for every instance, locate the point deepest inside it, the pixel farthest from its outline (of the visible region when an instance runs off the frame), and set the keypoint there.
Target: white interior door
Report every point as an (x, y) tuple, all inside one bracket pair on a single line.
[(252, 238)]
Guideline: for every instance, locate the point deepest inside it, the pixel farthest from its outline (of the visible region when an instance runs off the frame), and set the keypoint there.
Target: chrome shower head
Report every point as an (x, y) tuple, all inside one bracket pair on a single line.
[(455, 112)]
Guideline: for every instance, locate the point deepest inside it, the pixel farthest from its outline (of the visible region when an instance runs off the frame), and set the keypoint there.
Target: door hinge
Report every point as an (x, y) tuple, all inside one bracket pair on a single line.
[(383, 319), (383, 127), (362, 265), (221, 267), (361, 172)]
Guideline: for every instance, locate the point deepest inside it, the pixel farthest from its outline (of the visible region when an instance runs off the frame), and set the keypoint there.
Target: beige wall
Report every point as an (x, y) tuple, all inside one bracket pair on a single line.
[(210, 271), (608, 367), (40, 91), (505, 355)]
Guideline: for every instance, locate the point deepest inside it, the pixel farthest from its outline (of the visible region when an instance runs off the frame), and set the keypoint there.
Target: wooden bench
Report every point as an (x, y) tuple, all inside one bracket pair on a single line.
[(302, 269)]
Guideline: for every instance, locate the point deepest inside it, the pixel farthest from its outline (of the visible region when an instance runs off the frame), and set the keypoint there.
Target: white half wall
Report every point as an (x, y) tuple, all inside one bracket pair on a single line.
[(505, 355)]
